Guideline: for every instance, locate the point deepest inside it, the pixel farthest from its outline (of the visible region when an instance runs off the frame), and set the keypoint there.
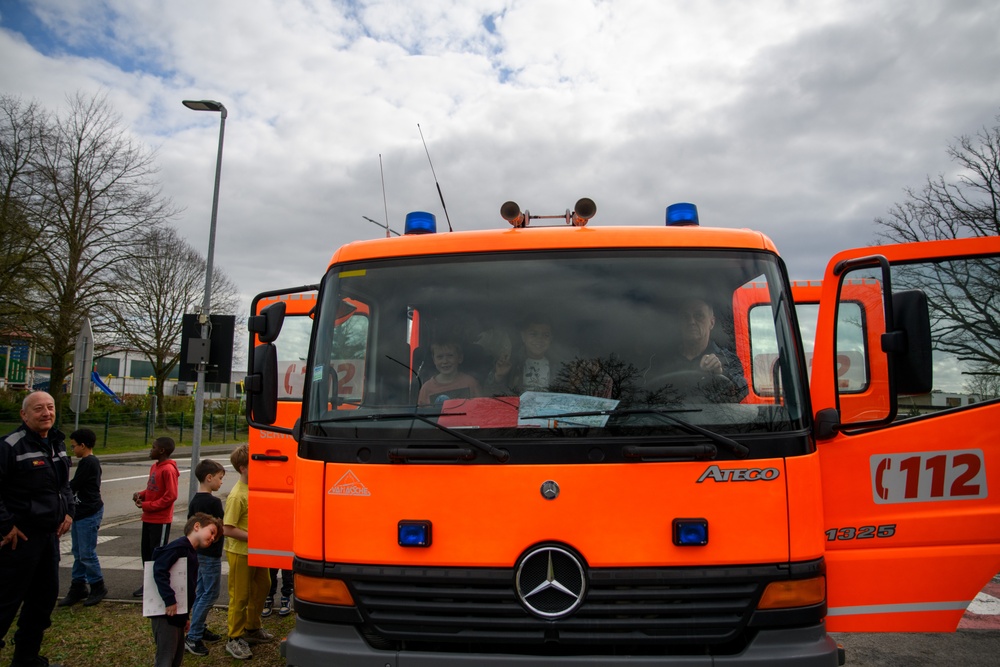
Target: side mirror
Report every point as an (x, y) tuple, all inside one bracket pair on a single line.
[(267, 325), (910, 344), (262, 385)]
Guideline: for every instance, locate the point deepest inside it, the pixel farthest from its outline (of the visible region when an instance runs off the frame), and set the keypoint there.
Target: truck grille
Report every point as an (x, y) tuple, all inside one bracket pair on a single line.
[(629, 606)]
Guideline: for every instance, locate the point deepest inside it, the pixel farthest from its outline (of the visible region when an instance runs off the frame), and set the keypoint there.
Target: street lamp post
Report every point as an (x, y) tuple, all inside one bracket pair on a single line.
[(203, 317)]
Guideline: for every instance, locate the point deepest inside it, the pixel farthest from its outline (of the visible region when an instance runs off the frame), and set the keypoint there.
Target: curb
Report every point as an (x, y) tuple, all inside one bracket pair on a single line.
[(115, 521), (183, 451)]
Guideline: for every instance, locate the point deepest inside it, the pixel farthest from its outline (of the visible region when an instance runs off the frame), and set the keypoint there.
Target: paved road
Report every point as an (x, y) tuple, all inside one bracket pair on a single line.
[(965, 648), (119, 536)]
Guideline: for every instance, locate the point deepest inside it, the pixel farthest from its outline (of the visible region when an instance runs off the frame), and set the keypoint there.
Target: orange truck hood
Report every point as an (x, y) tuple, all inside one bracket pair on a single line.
[(488, 515)]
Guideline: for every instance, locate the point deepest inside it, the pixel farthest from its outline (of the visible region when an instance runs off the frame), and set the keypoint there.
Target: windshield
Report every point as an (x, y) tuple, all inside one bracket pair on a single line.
[(550, 345)]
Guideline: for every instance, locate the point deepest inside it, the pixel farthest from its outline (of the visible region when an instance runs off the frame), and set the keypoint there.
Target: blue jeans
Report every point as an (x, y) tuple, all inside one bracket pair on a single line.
[(83, 533), (206, 593)]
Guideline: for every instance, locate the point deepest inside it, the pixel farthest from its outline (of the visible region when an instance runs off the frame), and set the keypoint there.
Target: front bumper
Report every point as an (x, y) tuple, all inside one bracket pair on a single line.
[(313, 644)]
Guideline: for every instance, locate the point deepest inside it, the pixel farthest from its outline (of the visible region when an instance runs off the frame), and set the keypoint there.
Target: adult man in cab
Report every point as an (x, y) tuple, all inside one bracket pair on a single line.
[(698, 352), (36, 509)]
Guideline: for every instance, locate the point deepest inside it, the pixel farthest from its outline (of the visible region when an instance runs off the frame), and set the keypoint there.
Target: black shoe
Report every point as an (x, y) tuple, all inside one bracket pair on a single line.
[(137, 593), (196, 647), (77, 592), (210, 637), (97, 593)]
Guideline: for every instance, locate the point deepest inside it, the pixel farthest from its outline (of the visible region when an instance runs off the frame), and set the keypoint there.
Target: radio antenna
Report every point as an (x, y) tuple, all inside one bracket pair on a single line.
[(384, 203), (376, 222), (435, 178)]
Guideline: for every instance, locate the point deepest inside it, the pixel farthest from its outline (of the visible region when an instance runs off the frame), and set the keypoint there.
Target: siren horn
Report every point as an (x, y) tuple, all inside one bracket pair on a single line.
[(583, 211), (511, 212)]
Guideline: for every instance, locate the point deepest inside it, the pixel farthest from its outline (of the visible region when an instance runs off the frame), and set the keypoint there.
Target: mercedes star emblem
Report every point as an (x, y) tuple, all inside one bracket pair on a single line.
[(550, 582)]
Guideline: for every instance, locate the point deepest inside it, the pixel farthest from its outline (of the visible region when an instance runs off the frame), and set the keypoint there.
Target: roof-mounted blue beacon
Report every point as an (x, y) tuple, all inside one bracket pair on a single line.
[(420, 222), (682, 215)]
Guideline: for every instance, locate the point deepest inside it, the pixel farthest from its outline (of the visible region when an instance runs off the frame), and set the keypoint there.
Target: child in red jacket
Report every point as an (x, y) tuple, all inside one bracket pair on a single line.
[(157, 501)]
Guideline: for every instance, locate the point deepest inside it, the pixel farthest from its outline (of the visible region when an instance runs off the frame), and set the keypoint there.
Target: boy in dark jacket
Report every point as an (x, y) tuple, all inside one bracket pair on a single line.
[(86, 485), (168, 630)]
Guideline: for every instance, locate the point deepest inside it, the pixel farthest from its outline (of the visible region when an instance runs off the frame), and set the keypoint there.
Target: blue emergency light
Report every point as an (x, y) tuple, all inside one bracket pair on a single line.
[(690, 532), (420, 222), (682, 215), (414, 533)]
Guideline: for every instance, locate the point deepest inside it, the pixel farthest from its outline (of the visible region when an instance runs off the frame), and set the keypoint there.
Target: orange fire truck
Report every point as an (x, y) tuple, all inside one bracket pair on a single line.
[(627, 508)]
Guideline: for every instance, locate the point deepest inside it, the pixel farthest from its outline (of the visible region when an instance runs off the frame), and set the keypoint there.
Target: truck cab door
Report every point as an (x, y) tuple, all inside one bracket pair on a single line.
[(910, 475), (273, 453)]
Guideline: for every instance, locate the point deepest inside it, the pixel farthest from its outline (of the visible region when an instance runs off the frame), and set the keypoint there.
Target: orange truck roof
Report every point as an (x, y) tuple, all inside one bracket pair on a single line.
[(563, 238)]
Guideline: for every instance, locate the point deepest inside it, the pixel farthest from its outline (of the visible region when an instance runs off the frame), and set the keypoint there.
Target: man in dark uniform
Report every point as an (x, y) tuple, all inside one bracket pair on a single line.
[(698, 352), (36, 508)]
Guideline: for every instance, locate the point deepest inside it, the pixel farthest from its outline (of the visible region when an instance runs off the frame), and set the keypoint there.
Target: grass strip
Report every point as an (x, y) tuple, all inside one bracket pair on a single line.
[(115, 633)]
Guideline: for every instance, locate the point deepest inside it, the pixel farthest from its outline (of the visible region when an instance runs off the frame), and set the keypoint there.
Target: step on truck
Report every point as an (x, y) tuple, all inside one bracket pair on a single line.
[(578, 444)]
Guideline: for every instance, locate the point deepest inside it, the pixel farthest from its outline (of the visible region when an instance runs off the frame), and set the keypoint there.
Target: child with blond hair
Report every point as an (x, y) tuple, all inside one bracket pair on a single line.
[(248, 586)]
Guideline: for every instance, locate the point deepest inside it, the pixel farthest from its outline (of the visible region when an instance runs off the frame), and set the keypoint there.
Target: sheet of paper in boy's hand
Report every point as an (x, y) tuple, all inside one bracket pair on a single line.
[(152, 603)]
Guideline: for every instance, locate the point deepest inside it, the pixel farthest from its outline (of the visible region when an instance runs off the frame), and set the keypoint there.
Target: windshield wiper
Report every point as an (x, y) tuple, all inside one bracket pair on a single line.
[(741, 451), (501, 455)]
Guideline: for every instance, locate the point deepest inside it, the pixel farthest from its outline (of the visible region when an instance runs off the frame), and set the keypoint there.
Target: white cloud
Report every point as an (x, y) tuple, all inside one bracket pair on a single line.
[(803, 119)]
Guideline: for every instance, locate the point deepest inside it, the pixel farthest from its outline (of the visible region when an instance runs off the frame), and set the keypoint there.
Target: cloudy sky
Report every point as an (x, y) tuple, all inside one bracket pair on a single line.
[(804, 119)]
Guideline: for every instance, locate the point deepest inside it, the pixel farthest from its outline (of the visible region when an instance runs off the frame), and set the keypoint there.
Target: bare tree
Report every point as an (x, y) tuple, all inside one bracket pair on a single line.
[(984, 381), (963, 295), (19, 133), (165, 278), (967, 207), (93, 193)]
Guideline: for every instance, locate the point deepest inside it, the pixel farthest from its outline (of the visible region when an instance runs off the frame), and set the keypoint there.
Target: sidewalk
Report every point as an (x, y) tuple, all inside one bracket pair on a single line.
[(181, 452)]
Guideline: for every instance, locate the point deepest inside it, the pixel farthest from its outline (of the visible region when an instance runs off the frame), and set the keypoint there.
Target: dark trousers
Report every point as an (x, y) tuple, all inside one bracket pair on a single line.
[(286, 583), (169, 642), (29, 580), (153, 535)]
